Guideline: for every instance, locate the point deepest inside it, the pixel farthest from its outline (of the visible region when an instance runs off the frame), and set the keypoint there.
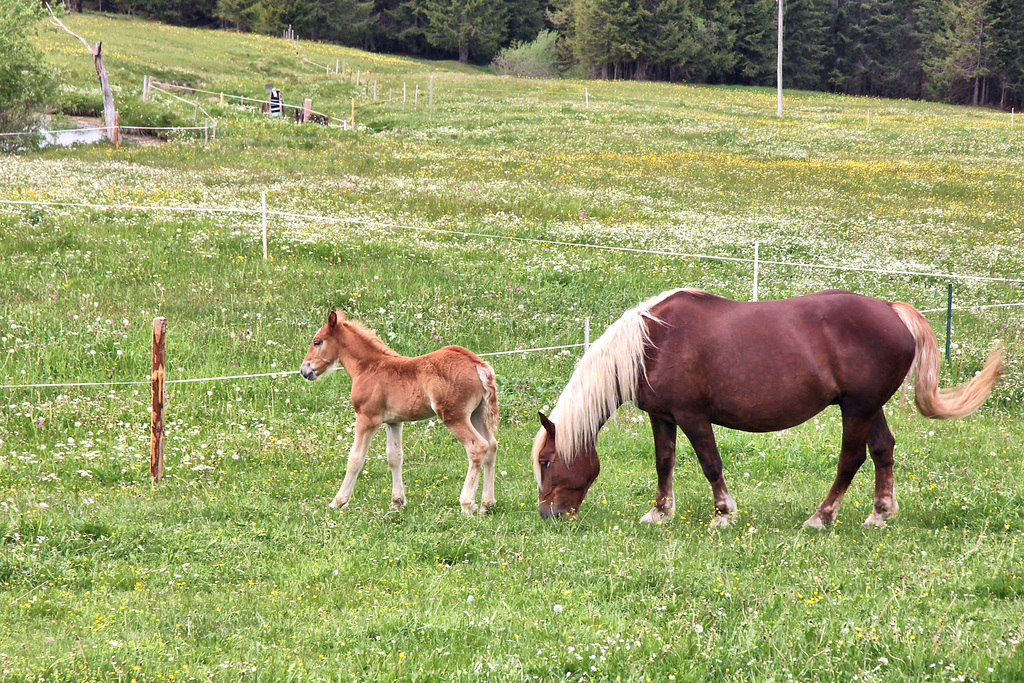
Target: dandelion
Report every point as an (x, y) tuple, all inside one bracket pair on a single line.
[(557, 608)]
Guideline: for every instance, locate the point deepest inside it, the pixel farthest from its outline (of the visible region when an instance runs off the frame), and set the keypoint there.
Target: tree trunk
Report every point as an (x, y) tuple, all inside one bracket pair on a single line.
[(974, 100), (464, 53), (109, 111)]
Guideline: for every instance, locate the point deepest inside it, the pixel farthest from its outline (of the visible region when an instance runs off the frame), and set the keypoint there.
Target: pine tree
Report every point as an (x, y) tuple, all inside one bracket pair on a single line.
[(475, 27)]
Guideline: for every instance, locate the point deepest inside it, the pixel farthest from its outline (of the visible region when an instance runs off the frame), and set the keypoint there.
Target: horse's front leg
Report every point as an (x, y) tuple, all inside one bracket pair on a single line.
[(394, 452), (702, 438), (665, 463), (366, 427)]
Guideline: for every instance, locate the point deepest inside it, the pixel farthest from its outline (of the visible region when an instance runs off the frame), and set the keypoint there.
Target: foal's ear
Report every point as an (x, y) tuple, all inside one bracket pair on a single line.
[(548, 425), (332, 319)]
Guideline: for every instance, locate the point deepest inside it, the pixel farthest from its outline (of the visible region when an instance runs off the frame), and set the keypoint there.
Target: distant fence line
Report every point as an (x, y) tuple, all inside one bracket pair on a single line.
[(755, 261)]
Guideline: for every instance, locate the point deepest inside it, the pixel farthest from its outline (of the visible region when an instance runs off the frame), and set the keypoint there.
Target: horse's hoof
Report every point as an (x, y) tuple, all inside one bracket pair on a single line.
[(814, 523), (722, 521), (874, 520), (398, 504), (469, 509), (656, 516)]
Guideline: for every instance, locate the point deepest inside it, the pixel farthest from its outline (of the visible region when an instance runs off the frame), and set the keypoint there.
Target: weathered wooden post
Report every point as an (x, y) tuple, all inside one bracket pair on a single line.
[(156, 452)]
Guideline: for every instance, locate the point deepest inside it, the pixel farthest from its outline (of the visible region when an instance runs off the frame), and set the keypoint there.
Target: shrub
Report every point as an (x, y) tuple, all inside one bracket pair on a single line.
[(535, 59)]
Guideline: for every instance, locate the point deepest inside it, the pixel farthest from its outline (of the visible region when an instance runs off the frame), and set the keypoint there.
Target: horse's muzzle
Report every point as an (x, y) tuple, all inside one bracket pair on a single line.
[(549, 511), (308, 371)]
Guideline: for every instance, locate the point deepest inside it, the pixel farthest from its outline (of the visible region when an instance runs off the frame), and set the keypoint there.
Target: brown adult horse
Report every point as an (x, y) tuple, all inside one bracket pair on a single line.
[(389, 389), (691, 359)]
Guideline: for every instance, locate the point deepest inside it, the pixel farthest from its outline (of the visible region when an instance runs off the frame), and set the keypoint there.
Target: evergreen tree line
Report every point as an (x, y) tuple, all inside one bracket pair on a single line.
[(960, 51)]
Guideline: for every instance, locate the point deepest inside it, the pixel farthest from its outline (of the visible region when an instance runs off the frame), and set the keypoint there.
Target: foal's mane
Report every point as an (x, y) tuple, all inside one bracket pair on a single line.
[(607, 376), (369, 337)]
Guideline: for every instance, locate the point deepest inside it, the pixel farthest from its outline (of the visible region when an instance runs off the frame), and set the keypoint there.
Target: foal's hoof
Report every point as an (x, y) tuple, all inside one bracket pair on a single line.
[(397, 503), (469, 509), (335, 505)]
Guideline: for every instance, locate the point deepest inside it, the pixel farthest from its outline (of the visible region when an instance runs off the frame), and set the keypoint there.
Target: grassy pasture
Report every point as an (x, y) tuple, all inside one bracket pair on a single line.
[(231, 569)]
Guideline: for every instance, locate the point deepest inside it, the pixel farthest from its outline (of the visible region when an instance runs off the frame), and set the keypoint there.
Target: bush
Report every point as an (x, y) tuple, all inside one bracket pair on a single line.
[(529, 60), (25, 84)]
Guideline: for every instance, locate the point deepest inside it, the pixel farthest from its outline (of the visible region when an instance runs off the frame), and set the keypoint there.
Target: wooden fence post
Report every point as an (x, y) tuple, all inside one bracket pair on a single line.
[(156, 452)]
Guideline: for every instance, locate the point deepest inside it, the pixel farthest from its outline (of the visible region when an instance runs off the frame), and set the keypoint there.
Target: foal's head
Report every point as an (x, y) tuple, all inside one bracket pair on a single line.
[(561, 483), (322, 357)]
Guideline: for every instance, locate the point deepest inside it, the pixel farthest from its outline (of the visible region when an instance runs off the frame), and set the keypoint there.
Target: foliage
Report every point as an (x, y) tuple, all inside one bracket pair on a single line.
[(536, 59), (468, 27), (25, 83), (500, 218), (945, 49)]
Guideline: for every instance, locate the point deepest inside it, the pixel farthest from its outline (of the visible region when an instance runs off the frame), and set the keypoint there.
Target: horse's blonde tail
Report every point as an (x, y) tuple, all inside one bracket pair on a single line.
[(490, 384), (944, 403)]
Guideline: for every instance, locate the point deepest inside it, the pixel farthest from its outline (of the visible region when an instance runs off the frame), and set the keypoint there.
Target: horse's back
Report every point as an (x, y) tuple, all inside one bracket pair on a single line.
[(761, 365)]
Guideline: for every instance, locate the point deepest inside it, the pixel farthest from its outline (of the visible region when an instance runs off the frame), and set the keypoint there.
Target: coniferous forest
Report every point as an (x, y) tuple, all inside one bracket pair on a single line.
[(957, 51)]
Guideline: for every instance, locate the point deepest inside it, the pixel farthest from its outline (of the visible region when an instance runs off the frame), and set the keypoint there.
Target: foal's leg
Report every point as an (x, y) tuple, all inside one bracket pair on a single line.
[(665, 463), (880, 445), (487, 499), (365, 429), (702, 438), (477, 449), (852, 455), (394, 453)]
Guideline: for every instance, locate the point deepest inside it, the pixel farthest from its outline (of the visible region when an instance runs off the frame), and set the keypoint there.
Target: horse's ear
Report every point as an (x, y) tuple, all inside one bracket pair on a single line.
[(548, 425), (335, 317)]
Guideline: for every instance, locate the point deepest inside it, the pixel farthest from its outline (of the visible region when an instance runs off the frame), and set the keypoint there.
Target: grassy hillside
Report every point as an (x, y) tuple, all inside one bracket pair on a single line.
[(500, 218)]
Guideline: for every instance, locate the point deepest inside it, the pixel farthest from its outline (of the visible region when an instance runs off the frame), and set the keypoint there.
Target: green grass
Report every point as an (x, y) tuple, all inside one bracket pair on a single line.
[(232, 569)]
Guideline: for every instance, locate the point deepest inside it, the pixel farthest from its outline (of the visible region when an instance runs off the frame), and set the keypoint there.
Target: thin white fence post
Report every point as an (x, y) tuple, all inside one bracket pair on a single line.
[(586, 334), (586, 97), (263, 202), (757, 246)]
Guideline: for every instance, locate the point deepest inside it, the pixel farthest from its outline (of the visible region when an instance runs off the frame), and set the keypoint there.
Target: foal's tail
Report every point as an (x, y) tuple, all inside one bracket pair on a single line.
[(490, 385), (944, 403)]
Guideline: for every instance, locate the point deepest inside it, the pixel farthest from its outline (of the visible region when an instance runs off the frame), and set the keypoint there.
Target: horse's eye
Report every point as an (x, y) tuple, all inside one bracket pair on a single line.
[(318, 343), (545, 464)]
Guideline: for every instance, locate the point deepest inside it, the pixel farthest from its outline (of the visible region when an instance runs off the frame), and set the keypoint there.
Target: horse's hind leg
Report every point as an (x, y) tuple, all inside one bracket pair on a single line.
[(880, 445), (366, 427), (852, 455), (394, 453), (477, 449), (487, 499)]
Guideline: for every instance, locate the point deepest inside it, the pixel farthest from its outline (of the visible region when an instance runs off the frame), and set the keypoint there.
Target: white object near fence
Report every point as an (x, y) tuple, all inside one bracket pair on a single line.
[(263, 202), (757, 246)]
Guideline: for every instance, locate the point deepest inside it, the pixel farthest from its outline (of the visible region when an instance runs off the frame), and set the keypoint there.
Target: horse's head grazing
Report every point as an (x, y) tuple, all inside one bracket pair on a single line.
[(561, 484), (322, 357)]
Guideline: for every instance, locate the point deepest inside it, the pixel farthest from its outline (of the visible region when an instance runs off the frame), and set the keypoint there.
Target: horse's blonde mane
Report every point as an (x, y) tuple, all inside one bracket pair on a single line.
[(607, 376), (369, 336)]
